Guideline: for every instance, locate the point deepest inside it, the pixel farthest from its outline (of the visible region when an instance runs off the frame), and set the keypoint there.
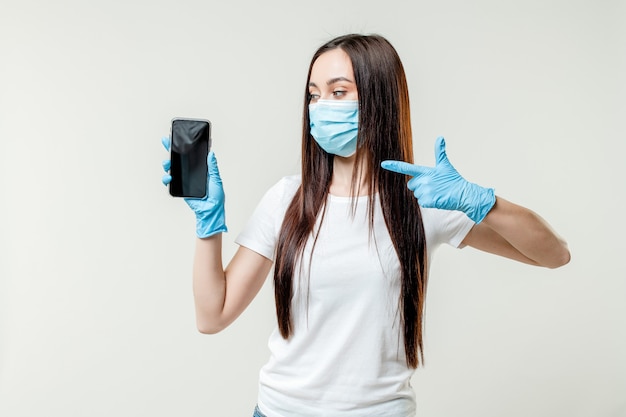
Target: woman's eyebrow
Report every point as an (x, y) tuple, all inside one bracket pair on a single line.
[(337, 79), (332, 81)]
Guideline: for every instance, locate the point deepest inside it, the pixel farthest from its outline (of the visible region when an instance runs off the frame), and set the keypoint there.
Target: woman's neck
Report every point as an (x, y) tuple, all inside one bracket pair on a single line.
[(341, 182)]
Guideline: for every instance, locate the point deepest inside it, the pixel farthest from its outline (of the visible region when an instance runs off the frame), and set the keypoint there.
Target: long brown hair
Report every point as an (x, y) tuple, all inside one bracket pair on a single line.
[(384, 133)]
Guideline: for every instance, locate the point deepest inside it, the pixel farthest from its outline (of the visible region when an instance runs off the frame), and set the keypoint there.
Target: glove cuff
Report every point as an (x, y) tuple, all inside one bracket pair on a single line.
[(486, 199), (210, 225)]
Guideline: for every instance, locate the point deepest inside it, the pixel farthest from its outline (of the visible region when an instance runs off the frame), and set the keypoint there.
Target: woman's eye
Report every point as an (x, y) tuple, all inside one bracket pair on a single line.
[(339, 93), (313, 97)]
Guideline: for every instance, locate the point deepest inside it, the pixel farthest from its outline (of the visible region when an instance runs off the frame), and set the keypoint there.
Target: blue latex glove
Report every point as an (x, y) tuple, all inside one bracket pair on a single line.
[(443, 187), (209, 211)]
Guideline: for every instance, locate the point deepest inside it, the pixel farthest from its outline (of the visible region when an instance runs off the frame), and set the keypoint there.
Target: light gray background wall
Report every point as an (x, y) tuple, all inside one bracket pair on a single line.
[(96, 315)]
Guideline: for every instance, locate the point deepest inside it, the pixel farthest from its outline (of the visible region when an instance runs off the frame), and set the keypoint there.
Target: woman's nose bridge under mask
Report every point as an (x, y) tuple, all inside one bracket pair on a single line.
[(334, 125)]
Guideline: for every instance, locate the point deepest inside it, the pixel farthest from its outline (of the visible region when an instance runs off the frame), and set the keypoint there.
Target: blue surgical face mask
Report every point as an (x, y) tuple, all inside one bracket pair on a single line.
[(334, 125)]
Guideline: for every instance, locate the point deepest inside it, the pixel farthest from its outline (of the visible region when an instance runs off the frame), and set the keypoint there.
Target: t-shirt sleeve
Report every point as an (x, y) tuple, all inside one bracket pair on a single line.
[(445, 226), (261, 231)]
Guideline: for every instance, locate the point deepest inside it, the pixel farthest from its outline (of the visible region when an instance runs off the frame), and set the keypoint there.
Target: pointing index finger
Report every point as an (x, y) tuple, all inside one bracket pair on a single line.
[(403, 168)]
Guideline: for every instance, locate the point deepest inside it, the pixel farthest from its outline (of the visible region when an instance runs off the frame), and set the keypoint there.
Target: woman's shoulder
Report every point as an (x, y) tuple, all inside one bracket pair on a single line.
[(291, 181), (287, 185), (284, 189)]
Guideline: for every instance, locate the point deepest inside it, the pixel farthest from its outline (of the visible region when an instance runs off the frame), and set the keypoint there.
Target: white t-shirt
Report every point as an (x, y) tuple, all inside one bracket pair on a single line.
[(346, 355)]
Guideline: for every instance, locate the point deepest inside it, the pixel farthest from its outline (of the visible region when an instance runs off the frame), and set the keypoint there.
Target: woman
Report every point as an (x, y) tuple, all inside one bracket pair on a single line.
[(350, 244)]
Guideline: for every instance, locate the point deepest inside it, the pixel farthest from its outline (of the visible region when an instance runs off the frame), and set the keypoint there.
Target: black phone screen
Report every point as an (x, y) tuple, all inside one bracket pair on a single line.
[(191, 141)]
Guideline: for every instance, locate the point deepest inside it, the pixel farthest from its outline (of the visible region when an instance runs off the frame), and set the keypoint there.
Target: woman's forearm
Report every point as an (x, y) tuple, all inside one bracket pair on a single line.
[(209, 284), (528, 233), (222, 294)]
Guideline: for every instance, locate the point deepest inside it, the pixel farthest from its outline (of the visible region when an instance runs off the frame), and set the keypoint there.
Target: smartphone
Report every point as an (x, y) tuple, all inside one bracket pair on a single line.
[(191, 142)]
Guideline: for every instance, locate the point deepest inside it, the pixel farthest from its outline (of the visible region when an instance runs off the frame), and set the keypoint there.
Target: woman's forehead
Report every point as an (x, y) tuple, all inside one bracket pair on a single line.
[(332, 65)]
